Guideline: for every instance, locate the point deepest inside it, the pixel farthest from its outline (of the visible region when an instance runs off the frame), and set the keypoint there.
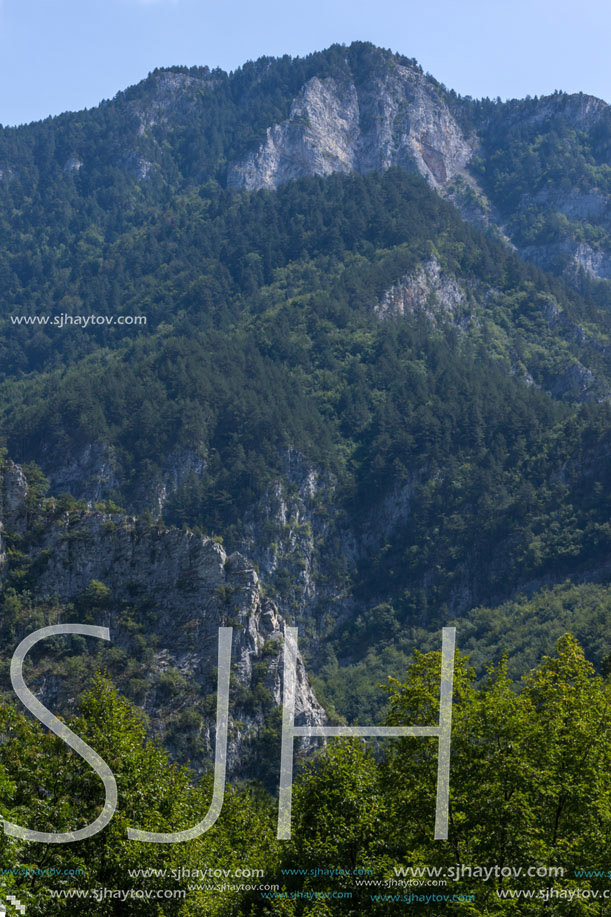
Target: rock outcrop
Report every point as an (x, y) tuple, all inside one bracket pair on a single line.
[(468, 306), (396, 118), (183, 585), (532, 171), (94, 473), (429, 291)]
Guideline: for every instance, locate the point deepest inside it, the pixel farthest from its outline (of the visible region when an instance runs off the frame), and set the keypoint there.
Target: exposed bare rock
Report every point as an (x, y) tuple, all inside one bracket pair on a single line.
[(582, 111), (596, 263), (430, 291), (575, 383), (93, 473), (186, 586), (577, 205), (408, 124), (283, 532), (320, 137), (90, 472), (73, 164), (468, 307), (169, 89), (398, 117), (13, 493), (394, 119)]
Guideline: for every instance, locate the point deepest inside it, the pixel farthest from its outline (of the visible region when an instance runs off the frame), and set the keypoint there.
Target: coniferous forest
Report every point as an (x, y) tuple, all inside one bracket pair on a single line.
[(365, 402)]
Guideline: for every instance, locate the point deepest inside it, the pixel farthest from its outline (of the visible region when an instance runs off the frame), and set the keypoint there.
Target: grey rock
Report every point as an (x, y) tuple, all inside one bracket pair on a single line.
[(13, 494), (430, 291), (89, 473), (187, 585), (73, 164), (93, 473), (395, 119), (575, 382), (596, 263), (320, 137), (397, 116)]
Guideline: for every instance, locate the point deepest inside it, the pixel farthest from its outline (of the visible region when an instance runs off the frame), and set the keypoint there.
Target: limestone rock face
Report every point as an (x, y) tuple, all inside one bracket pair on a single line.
[(13, 493), (363, 109), (319, 137), (468, 307), (581, 110), (595, 263), (185, 585), (93, 473), (89, 472), (395, 118), (428, 290)]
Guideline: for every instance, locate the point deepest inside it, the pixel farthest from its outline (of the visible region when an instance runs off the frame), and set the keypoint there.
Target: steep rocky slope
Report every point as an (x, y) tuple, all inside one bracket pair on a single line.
[(395, 116), (163, 593), (395, 119), (536, 170), (387, 409)]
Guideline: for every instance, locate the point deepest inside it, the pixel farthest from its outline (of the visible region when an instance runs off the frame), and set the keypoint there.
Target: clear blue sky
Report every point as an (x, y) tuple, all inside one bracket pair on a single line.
[(69, 54)]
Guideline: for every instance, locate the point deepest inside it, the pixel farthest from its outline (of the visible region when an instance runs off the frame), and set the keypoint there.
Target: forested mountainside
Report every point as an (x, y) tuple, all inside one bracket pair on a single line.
[(385, 407), (537, 168), (317, 343)]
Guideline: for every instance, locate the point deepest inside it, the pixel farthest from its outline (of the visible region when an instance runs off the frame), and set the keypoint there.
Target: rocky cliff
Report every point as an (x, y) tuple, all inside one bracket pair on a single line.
[(164, 593), (396, 118), (325, 371), (535, 170)]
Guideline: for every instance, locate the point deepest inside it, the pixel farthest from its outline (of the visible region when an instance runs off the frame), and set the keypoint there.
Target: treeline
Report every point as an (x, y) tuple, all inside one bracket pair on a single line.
[(528, 788)]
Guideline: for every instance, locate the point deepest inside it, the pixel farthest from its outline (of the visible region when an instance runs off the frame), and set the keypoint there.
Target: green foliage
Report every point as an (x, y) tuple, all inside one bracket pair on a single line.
[(262, 341), (537, 156), (528, 787), (300, 362), (45, 786)]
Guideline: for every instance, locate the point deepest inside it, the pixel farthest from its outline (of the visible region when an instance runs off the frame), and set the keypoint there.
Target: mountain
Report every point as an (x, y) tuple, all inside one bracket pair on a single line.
[(318, 343), (536, 169), (364, 342)]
